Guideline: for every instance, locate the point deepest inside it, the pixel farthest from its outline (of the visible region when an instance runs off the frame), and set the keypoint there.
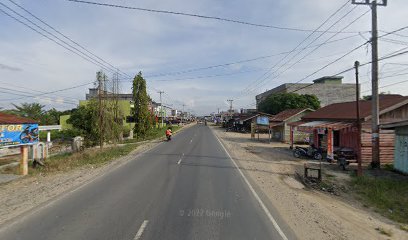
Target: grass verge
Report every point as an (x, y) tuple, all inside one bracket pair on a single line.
[(153, 134), (387, 196), (90, 157)]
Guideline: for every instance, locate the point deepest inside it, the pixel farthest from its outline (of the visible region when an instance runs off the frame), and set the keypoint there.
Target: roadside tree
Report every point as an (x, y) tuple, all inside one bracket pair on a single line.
[(277, 103)]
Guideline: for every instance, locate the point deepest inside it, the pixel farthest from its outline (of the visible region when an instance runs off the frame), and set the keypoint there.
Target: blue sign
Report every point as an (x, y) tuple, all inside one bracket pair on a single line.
[(262, 121), (18, 134)]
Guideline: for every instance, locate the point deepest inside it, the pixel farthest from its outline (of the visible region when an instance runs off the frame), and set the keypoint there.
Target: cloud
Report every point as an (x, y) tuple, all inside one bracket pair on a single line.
[(156, 43), (10, 68)]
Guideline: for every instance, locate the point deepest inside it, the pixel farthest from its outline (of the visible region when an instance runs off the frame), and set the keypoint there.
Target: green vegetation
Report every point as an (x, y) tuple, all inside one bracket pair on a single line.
[(86, 120), (63, 135), (404, 227), (89, 157), (36, 112), (279, 102), (154, 133), (387, 196), (143, 117)]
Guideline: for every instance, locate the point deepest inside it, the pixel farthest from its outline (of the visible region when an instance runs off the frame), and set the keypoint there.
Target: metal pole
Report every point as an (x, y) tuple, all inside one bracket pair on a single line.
[(359, 168), (161, 108), (375, 162)]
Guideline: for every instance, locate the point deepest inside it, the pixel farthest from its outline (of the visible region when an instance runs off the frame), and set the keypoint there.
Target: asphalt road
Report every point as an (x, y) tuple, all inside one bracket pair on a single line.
[(187, 188)]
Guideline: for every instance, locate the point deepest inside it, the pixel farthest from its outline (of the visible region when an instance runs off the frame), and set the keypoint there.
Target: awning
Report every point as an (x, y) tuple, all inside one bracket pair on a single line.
[(275, 124), (310, 126)]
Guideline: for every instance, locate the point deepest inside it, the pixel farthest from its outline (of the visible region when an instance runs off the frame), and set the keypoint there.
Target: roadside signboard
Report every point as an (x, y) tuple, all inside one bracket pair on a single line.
[(261, 120), (18, 134)]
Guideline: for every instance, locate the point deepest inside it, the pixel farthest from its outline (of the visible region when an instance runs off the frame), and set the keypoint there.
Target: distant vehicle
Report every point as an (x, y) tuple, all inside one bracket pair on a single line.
[(199, 122)]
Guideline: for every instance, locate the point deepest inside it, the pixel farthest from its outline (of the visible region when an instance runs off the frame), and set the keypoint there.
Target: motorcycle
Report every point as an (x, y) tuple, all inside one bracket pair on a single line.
[(310, 152)]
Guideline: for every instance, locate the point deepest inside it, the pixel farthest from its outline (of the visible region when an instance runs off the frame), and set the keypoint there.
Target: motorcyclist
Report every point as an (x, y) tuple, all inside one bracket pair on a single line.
[(168, 133)]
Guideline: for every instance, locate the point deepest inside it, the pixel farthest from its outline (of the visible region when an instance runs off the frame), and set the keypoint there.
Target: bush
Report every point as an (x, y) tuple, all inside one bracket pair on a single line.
[(63, 135)]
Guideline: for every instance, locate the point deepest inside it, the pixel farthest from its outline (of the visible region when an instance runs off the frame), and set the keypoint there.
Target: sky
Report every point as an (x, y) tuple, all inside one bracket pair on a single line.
[(198, 62)]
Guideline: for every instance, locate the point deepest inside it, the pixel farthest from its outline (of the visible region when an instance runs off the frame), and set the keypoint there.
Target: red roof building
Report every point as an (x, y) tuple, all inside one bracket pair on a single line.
[(334, 126), (6, 118)]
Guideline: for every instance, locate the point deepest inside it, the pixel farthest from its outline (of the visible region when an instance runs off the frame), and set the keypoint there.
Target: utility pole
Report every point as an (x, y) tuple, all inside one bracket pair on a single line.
[(182, 117), (161, 108), (100, 92), (359, 168), (375, 120), (230, 101)]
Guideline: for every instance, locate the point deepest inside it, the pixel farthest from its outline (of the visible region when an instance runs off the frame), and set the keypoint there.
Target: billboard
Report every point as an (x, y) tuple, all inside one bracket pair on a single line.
[(18, 134), (262, 121)]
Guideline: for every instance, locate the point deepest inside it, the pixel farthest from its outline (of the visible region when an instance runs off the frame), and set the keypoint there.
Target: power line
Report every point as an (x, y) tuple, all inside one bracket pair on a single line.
[(266, 76), (53, 40), (50, 92), (245, 60), (62, 34), (194, 15), (306, 55)]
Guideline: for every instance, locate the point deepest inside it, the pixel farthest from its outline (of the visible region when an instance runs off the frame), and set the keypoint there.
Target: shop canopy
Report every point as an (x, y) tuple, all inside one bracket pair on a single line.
[(310, 126)]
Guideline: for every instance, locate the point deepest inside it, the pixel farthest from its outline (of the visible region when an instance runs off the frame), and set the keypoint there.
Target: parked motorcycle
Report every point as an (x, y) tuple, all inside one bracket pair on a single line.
[(310, 152)]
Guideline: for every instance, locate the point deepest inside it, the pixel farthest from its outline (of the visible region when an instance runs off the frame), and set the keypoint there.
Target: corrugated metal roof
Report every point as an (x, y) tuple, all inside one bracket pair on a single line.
[(335, 125), (6, 118), (347, 110), (284, 115)]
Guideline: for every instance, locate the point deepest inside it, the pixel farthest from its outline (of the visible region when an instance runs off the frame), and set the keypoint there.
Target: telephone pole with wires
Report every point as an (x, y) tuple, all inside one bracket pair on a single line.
[(230, 110), (375, 120), (161, 108)]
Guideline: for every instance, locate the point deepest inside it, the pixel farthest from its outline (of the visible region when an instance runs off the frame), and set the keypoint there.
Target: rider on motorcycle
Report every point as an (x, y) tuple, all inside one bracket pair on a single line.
[(168, 133)]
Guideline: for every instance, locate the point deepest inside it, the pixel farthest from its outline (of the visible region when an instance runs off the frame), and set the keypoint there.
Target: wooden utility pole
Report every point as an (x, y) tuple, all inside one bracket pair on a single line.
[(100, 107), (182, 118), (230, 101), (358, 121), (375, 120)]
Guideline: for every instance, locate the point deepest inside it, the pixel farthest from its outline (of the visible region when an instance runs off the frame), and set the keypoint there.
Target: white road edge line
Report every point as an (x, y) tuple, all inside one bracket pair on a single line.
[(141, 230), (268, 214)]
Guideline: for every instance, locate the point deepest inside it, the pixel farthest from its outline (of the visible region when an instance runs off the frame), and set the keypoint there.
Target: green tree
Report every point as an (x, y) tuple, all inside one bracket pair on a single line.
[(277, 103), (141, 106), (33, 111), (85, 120)]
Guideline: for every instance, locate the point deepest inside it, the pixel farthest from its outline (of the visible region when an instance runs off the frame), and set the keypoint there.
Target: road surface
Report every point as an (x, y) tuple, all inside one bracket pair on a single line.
[(187, 188)]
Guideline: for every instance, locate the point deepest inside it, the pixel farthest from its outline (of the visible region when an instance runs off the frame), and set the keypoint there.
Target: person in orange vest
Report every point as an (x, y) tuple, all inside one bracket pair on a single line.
[(168, 134)]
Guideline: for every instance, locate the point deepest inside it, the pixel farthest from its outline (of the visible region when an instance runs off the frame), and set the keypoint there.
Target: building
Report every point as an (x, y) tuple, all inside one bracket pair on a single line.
[(280, 128), (328, 90), (125, 105), (334, 127), (401, 144)]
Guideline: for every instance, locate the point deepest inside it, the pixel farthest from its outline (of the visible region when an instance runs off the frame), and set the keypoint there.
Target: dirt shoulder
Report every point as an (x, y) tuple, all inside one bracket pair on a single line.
[(311, 214), (25, 193)]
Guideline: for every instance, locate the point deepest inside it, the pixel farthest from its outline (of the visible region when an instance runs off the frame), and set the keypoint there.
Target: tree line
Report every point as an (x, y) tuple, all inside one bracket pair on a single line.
[(99, 120)]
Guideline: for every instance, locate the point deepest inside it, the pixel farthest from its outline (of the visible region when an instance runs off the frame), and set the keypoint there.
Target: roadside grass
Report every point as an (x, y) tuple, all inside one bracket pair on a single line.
[(89, 157), (387, 196), (154, 133), (93, 157)]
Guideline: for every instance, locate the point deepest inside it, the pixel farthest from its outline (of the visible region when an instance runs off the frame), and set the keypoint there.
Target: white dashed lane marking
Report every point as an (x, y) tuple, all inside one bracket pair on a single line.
[(141, 230)]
